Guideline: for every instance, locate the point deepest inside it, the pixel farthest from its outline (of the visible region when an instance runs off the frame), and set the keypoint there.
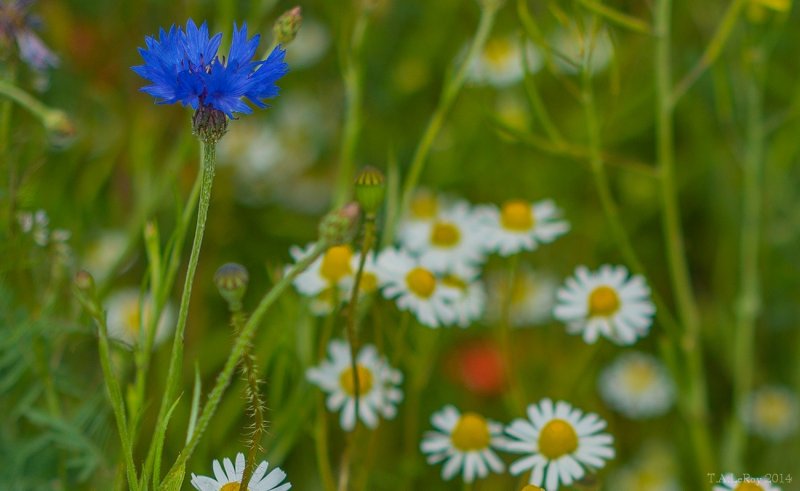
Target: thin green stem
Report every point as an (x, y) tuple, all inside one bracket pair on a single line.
[(450, 90), (243, 340), (254, 401), (696, 395), (52, 119), (208, 151), (749, 301)]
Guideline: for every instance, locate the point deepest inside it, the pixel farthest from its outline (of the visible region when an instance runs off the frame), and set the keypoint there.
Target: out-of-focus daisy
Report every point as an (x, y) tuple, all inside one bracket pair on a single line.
[(637, 385), (521, 226), (465, 443), (329, 271), (378, 383), (532, 297), (606, 303), (103, 253), (369, 277), (127, 317), (469, 305), (228, 476), (451, 242), (561, 444), (500, 62), (772, 413), (573, 41), (309, 46), (416, 288), (730, 482), (653, 469), (424, 207)]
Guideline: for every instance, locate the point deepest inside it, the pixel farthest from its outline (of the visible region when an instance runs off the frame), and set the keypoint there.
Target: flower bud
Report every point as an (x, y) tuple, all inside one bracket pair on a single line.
[(370, 189), (287, 26), (231, 280), (340, 226), (84, 281), (209, 124)]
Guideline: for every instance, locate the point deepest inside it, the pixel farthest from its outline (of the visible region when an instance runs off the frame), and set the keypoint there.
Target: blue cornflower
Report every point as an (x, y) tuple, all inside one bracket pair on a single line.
[(183, 66)]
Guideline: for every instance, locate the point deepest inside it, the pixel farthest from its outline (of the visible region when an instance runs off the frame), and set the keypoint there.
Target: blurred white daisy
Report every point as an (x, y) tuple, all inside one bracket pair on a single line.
[(332, 270), (309, 46), (369, 276), (378, 384), (103, 253), (532, 297), (561, 444), (653, 469), (500, 62), (637, 385), (471, 301), (228, 476), (423, 209), (772, 413), (730, 482), (465, 443), (451, 242), (127, 317), (571, 44), (416, 288), (520, 226), (606, 303)]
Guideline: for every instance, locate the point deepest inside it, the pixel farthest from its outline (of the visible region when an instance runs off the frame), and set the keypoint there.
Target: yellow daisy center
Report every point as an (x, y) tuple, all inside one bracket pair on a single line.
[(557, 438), (516, 215), (603, 301), (369, 282), (639, 376), (421, 282), (336, 263), (424, 205), (771, 410), (498, 51), (232, 486), (133, 318), (471, 433), (445, 234), (348, 382), (748, 486)]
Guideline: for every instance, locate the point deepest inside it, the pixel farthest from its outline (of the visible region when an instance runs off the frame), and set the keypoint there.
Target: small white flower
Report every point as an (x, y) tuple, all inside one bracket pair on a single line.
[(423, 209), (471, 301), (572, 42), (772, 413), (730, 482), (126, 318), (331, 270), (521, 226), (416, 288), (227, 477), (606, 303), (465, 443), (653, 469), (103, 253), (561, 443), (369, 277), (500, 62), (451, 242), (532, 297), (378, 384), (637, 385)]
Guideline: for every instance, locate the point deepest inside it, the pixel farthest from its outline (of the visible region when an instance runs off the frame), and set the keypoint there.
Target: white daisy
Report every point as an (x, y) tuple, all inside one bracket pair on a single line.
[(423, 209), (126, 317), (572, 42), (500, 62), (532, 297), (637, 385), (471, 301), (606, 303), (519, 225), (331, 270), (653, 469), (772, 413), (450, 242), (416, 288), (369, 277), (378, 383), (464, 442), (561, 442), (730, 482), (227, 477)]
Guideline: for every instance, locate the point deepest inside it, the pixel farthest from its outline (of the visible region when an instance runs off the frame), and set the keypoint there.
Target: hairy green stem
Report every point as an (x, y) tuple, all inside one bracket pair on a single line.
[(254, 400), (176, 358), (696, 395), (241, 343)]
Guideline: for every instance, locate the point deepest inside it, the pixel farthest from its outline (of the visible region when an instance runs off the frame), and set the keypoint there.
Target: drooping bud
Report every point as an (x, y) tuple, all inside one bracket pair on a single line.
[(209, 124), (287, 26), (370, 189), (340, 226), (59, 124), (86, 292), (231, 280), (84, 281)]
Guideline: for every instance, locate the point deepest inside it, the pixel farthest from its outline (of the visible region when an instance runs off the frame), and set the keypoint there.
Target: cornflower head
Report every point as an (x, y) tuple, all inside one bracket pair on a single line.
[(183, 66)]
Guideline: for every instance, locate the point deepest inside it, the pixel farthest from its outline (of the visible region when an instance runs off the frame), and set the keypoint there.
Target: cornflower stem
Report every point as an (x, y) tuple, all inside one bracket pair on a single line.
[(241, 343), (517, 397), (450, 90), (353, 75), (749, 300), (696, 395), (254, 400), (208, 151)]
